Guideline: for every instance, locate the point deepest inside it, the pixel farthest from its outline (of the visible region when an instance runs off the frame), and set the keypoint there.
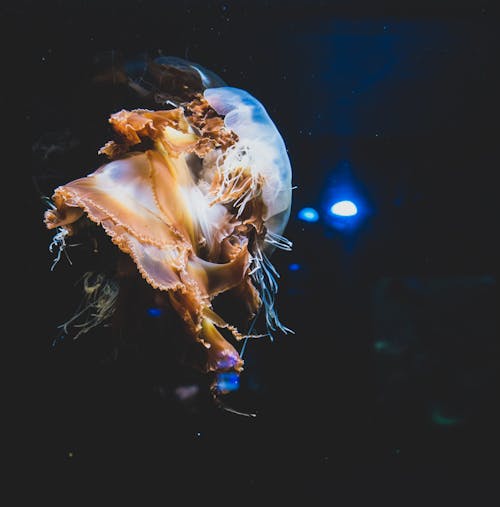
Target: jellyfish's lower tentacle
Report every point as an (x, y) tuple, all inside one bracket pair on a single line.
[(222, 356)]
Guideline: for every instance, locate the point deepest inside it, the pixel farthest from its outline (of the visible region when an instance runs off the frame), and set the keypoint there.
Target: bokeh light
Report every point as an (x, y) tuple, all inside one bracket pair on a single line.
[(344, 209), (308, 215)]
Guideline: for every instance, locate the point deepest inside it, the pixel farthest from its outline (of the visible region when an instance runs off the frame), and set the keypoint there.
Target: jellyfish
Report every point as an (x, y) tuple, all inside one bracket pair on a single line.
[(195, 195)]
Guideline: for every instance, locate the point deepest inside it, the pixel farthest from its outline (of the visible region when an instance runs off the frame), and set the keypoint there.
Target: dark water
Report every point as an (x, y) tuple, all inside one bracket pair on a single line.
[(387, 391)]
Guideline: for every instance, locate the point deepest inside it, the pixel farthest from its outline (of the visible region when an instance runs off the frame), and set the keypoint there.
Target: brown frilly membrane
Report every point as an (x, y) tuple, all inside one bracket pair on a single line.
[(162, 202)]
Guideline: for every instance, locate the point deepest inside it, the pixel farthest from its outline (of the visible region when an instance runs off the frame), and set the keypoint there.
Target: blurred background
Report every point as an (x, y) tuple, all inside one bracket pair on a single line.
[(388, 390)]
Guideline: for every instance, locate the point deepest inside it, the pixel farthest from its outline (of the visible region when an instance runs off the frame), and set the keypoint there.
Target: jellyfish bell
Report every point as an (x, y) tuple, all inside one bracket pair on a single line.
[(168, 79), (195, 196), (260, 147)]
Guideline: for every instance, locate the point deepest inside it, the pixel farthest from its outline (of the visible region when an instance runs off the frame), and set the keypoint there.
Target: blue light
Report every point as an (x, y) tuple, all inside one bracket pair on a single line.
[(228, 381), (344, 209), (294, 266), (344, 203), (308, 215), (154, 312)]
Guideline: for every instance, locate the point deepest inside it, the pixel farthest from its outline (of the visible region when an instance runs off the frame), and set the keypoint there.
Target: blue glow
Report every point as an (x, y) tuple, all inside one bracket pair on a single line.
[(344, 209), (154, 312), (228, 381), (294, 266), (344, 200), (308, 215)]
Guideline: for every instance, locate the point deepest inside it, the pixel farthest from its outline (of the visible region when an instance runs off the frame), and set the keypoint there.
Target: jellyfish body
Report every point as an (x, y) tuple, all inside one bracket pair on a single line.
[(197, 196)]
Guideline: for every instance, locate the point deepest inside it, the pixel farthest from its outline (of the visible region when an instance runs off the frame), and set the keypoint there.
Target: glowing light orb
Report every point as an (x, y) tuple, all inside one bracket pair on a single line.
[(308, 215), (344, 209), (154, 312)]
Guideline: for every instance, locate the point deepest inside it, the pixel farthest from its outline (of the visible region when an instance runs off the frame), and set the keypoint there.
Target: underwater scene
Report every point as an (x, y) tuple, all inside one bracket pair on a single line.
[(261, 241)]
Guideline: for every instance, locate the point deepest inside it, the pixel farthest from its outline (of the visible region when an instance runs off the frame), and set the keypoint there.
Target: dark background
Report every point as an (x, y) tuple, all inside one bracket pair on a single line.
[(387, 391)]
